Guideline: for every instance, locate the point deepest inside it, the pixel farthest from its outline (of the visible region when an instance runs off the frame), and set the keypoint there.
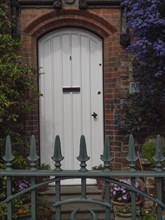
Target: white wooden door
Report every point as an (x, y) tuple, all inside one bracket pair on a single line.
[(70, 62)]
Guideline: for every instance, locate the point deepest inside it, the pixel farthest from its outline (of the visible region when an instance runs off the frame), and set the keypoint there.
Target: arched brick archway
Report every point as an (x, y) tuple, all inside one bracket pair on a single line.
[(66, 18), (42, 23)]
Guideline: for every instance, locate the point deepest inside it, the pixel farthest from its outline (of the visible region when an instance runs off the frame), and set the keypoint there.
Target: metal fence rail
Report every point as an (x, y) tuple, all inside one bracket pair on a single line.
[(109, 176)]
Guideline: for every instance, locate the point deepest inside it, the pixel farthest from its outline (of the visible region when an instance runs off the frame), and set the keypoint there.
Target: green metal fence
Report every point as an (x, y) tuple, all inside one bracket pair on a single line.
[(107, 175)]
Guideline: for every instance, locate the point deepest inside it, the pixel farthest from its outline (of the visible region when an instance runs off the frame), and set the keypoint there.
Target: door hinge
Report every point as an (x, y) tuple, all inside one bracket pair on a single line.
[(70, 57)]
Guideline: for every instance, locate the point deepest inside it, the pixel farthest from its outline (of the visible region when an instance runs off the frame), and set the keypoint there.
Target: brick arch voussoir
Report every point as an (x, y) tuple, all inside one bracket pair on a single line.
[(74, 18), (71, 23)]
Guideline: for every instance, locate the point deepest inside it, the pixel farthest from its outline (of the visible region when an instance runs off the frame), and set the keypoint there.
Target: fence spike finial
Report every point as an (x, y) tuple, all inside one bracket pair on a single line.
[(159, 158), (8, 154), (57, 157), (106, 157), (83, 157), (33, 157), (132, 157)]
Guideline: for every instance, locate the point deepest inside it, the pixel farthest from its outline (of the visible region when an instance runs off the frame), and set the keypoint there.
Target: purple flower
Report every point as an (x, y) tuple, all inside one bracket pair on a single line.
[(114, 193), (20, 185), (125, 197), (23, 185), (121, 193)]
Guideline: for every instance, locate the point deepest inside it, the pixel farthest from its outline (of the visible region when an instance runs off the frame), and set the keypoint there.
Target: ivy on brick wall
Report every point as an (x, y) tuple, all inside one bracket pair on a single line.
[(146, 20), (17, 88)]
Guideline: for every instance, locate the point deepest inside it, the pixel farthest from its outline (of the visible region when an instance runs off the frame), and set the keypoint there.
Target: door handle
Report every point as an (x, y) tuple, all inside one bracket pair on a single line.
[(94, 114)]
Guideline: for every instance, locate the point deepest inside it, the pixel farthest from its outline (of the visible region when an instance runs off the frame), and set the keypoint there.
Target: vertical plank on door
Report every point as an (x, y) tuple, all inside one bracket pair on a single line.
[(95, 72), (46, 110), (58, 84), (67, 100), (86, 93), (76, 97)]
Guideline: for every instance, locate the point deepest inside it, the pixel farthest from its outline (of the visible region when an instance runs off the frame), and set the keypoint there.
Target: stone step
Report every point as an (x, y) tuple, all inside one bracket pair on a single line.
[(74, 191), (71, 190)]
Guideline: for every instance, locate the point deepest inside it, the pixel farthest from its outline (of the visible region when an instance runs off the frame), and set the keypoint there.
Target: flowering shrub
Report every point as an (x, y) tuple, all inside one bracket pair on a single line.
[(146, 19), (121, 193)]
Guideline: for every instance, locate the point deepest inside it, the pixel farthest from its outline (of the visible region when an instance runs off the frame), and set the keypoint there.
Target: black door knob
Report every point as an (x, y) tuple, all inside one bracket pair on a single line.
[(94, 114)]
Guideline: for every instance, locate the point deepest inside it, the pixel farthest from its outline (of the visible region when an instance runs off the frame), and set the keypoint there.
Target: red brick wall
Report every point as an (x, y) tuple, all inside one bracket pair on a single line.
[(35, 22)]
